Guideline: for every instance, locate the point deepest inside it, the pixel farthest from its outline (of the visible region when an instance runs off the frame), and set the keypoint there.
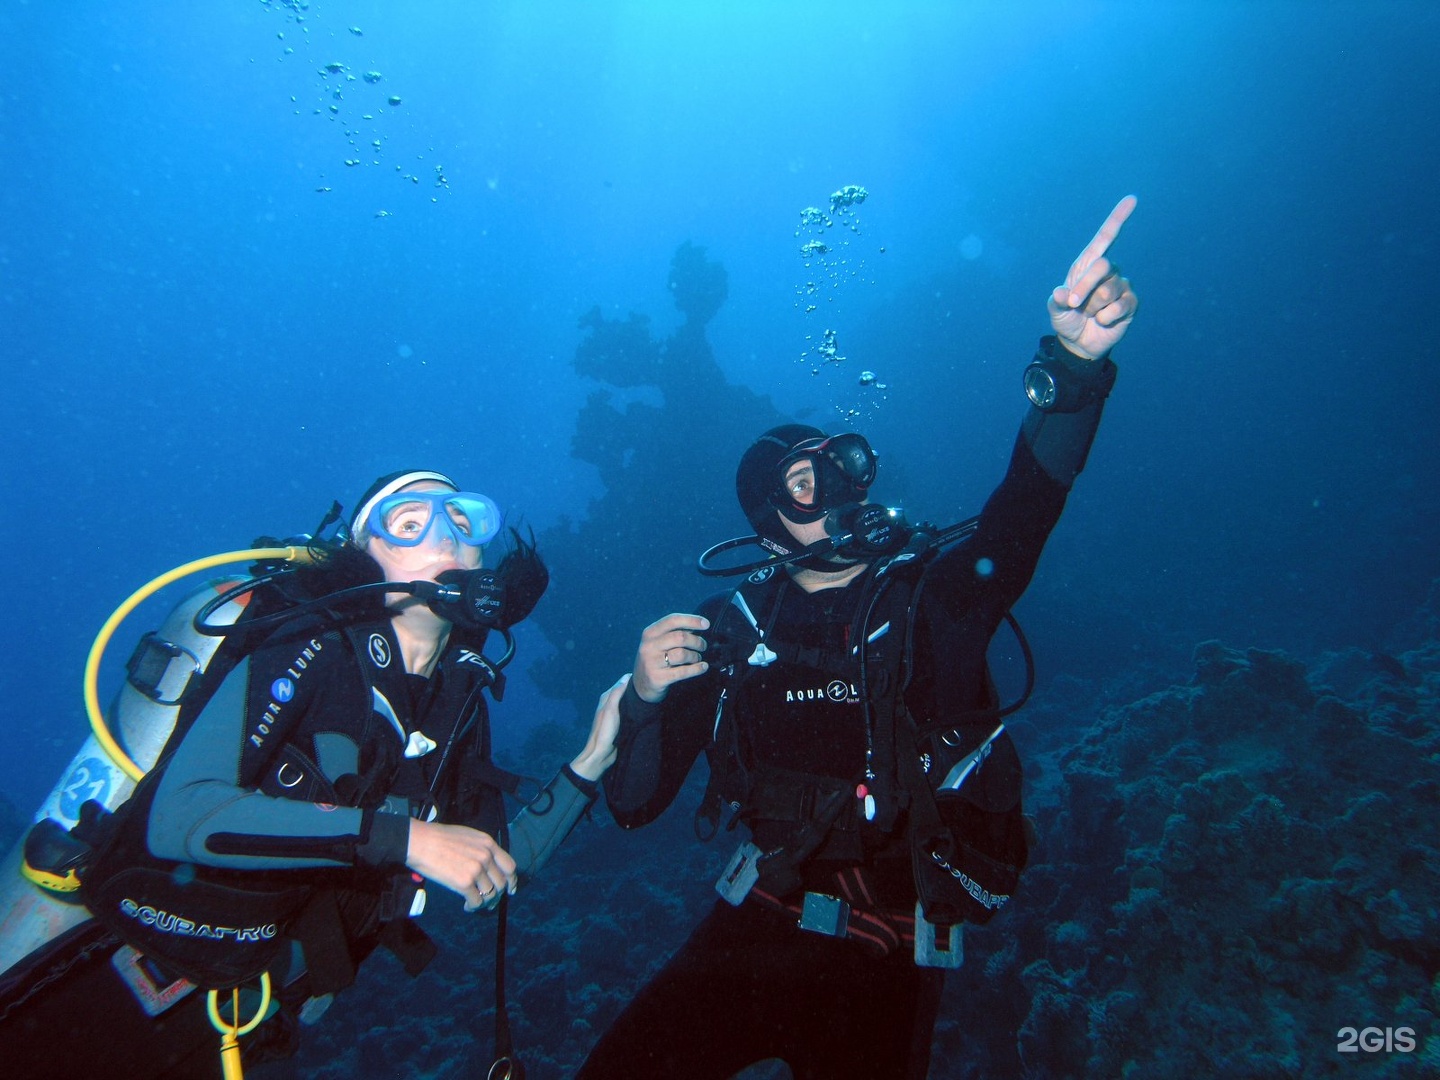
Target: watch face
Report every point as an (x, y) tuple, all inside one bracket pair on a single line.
[(1040, 387)]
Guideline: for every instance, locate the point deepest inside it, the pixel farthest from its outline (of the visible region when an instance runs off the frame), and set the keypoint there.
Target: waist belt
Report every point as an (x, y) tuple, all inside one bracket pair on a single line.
[(852, 912), (853, 915), (880, 932)]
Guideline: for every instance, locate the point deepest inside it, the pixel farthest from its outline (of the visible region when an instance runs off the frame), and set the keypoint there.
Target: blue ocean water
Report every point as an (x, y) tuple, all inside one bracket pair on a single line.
[(237, 282)]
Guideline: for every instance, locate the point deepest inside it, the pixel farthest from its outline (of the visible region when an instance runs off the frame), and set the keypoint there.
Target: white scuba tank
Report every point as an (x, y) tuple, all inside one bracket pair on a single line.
[(169, 660)]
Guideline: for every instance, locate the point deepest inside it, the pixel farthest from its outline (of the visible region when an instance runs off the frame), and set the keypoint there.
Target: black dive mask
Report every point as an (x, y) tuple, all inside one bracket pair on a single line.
[(840, 470)]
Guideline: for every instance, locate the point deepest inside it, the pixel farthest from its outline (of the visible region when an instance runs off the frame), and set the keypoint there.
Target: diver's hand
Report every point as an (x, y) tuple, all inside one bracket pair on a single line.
[(1093, 309), (670, 652), (464, 860), (599, 752)]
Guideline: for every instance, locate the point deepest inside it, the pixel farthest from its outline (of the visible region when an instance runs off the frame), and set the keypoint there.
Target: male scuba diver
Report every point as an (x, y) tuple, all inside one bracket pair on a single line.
[(331, 762), (842, 698)]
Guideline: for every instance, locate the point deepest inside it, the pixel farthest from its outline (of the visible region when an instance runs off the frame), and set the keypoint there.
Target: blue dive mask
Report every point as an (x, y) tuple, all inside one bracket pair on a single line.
[(408, 517)]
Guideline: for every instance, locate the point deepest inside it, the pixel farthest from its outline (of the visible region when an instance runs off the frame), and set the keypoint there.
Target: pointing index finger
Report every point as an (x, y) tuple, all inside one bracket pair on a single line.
[(1102, 240)]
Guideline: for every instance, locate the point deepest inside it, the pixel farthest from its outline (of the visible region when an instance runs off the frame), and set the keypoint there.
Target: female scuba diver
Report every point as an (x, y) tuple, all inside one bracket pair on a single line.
[(331, 764)]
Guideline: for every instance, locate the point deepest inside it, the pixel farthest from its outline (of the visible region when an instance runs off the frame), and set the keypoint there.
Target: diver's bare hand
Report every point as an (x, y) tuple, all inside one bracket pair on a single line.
[(464, 860), (599, 752), (1093, 309), (670, 652)]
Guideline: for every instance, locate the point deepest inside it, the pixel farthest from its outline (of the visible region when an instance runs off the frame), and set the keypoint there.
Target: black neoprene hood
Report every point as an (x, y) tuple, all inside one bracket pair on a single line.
[(756, 478)]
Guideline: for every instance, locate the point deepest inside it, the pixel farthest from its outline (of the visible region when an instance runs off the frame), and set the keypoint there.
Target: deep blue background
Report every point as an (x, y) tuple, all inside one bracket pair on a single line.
[(199, 346)]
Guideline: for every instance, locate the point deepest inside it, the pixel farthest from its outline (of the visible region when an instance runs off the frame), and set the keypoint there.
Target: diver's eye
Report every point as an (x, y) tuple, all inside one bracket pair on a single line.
[(800, 484), (407, 521), (461, 520)]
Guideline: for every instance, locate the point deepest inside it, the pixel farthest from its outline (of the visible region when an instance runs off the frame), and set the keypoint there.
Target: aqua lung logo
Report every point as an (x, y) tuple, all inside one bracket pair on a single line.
[(983, 896), (282, 691), (379, 650), (168, 923), (302, 662), (837, 690)]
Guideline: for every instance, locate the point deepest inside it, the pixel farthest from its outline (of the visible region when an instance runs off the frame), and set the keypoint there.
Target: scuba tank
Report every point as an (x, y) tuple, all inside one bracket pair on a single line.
[(164, 665)]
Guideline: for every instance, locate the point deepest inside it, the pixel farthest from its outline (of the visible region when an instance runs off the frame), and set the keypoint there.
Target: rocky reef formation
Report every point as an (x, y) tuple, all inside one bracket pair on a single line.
[(665, 430), (1231, 872)]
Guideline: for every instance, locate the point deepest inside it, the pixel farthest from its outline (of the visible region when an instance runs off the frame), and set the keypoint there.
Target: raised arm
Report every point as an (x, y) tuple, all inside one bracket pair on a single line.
[(1067, 383)]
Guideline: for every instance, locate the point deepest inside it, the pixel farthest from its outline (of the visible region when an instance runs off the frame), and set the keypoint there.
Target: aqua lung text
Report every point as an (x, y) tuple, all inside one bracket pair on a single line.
[(301, 662), (272, 711), (837, 690)]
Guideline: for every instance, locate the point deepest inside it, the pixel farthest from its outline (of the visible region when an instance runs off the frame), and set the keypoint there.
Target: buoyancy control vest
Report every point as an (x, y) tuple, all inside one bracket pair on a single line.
[(371, 748), (819, 751)]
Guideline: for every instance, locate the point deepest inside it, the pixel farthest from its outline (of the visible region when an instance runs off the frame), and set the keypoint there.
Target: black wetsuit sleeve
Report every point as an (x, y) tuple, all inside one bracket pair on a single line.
[(657, 745), (980, 580), (1060, 441), (207, 809)]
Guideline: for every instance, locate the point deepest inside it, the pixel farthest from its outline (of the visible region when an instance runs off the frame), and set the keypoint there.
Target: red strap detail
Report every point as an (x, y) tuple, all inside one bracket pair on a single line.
[(880, 930), (863, 886), (868, 924)]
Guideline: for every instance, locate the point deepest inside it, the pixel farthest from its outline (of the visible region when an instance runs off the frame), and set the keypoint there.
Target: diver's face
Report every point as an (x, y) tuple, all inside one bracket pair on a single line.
[(806, 534), (436, 553), (799, 481)]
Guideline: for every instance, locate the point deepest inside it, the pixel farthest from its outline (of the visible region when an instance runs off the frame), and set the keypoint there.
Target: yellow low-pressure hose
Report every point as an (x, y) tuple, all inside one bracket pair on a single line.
[(102, 639)]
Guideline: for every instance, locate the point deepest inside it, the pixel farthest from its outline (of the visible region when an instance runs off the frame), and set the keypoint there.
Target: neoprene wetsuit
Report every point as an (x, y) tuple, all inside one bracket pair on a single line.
[(296, 771), (298, 728), (749, 984)]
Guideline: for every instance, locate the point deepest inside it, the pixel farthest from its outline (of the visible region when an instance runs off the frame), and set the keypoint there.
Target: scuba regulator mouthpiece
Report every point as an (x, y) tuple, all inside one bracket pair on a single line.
[(867, 530), (474, 599), (857, 531)]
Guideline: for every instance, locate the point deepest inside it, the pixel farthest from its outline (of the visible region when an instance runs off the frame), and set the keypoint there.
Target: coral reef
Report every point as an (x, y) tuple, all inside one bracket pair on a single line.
[(1237, 869)]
